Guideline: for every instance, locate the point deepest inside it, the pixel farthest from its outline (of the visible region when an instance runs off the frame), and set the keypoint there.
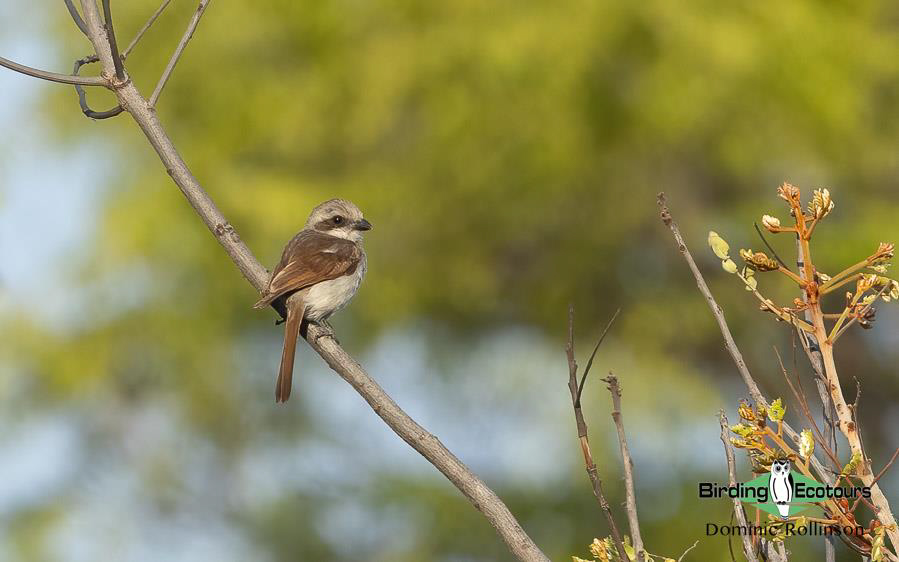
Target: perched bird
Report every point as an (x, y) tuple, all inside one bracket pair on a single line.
[(320, 270), (781, 486)]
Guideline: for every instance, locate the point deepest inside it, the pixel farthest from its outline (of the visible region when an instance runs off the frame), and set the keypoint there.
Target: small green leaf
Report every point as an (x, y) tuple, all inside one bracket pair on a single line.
[(729, 265), (877, 544), (852, 464), (806, 444), (776, 411), (741, 430), (718, 245)]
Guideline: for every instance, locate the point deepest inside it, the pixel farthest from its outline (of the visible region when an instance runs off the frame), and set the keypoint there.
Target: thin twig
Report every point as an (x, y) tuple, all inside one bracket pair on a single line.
[(628, 463), (113, 45), (54, 76), (144, 29), (580, 388), (82, 95), (732, 480), (729, 342), (799, 395), (840, 283), (860, 314), (76, 17), (876, 479), (886, 466), (170, 67), (829, 285), (584, 440), (770, 248), (682, 556)]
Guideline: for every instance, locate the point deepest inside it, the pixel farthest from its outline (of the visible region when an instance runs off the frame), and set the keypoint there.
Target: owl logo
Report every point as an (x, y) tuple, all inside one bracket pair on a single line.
[(781, 486)]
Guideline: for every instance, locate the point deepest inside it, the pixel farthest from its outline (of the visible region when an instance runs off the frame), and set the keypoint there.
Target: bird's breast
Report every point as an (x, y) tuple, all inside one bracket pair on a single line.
[(327, 297)]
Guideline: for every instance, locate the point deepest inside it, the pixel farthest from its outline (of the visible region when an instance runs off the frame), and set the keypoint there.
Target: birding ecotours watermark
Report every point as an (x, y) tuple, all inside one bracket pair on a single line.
[(785, 494)]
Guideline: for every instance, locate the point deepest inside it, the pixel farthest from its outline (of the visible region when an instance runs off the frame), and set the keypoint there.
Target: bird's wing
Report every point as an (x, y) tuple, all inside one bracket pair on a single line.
[(792, 487), (310, 258)]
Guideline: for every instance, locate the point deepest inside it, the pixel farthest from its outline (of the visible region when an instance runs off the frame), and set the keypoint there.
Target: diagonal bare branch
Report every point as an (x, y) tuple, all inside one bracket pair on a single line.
[(144, 29), (170, 67), (54, 76), (716, 310), (482, 497)]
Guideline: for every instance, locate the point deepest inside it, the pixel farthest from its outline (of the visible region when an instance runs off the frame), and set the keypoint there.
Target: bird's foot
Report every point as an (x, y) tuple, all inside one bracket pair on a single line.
[(327, 331)]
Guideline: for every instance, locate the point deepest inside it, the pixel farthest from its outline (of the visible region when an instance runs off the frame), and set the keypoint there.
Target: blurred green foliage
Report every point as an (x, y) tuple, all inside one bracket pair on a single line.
[(508, 154)]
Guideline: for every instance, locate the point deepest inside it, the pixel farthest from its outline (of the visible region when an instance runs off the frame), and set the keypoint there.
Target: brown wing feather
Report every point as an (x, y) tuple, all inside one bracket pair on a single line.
[(310, 258)]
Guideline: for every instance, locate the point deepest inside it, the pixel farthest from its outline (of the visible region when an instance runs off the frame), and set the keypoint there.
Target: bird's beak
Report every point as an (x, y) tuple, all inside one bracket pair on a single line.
[(362, 225)]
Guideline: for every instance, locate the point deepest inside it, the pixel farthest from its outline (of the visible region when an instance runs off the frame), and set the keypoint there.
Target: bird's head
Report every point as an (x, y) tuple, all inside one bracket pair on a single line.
[(338, 217)]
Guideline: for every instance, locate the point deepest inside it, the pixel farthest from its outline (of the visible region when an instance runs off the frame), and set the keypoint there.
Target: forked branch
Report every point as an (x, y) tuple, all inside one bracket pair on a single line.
[(584, 439)]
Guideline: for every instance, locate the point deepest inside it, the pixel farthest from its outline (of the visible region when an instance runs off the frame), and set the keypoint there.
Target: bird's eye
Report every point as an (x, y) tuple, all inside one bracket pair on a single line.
[(338, 220)]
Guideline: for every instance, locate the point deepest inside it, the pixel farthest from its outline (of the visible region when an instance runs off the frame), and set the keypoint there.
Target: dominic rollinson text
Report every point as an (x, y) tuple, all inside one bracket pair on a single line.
[(812, 528)]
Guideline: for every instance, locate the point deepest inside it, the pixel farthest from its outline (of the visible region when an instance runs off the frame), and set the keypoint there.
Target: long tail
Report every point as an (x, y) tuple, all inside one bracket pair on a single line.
[(295, 311)]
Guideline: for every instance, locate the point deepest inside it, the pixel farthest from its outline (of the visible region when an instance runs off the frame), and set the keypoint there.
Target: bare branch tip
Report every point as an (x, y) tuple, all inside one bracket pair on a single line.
[(664, 213)]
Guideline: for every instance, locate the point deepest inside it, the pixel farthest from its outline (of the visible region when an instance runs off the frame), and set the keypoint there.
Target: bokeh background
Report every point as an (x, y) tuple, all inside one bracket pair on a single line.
[(508, 154)]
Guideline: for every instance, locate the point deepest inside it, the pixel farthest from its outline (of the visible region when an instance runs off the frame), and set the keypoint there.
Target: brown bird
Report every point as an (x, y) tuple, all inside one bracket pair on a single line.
[(320, 270)]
